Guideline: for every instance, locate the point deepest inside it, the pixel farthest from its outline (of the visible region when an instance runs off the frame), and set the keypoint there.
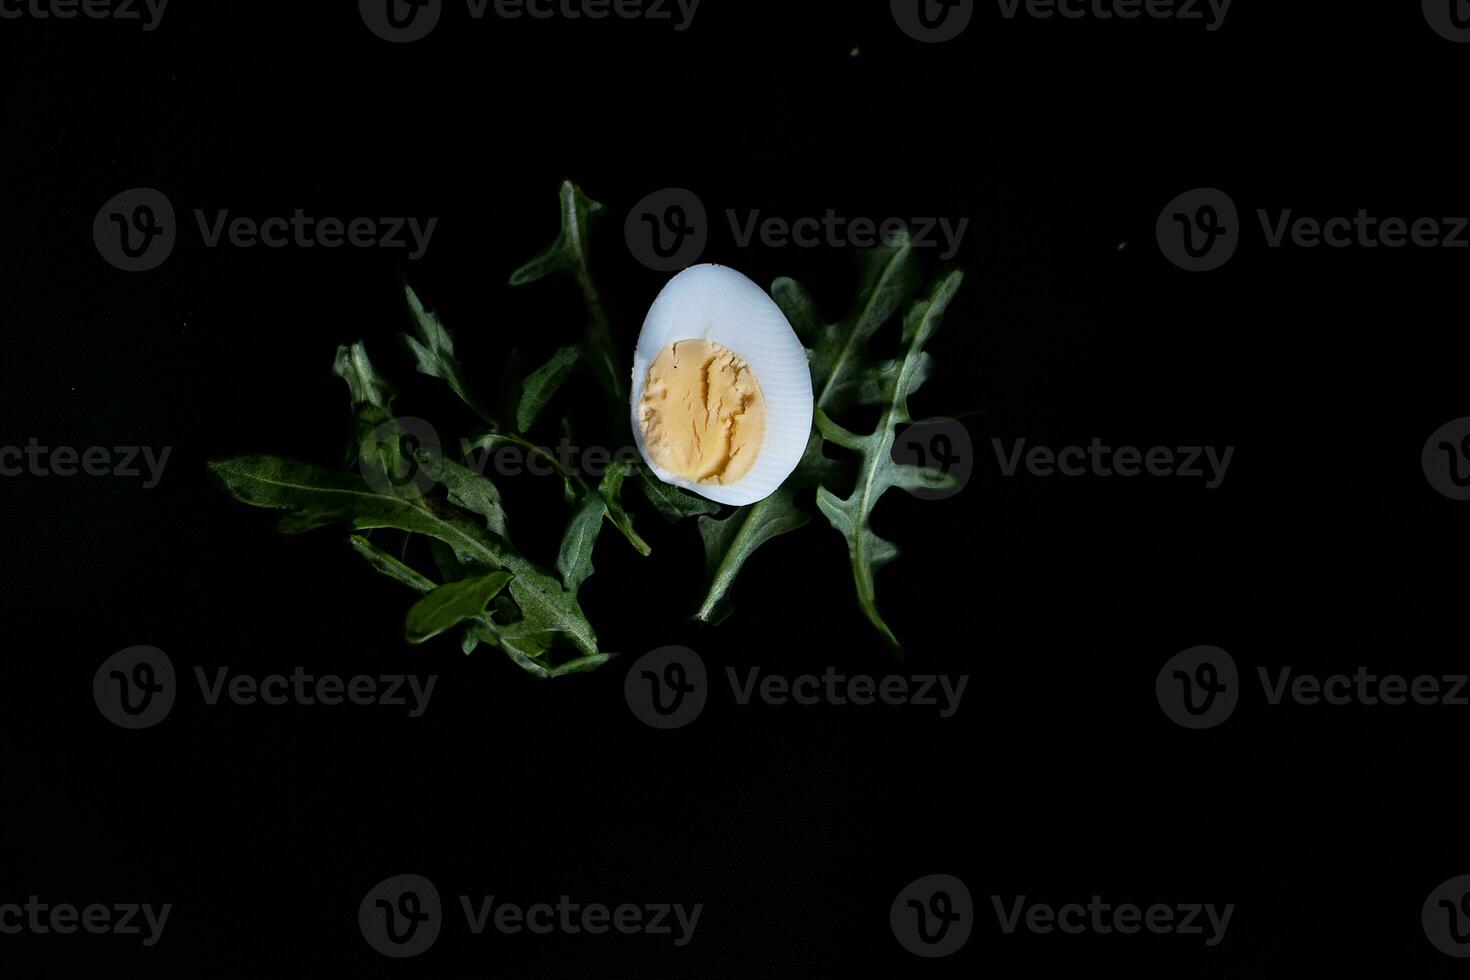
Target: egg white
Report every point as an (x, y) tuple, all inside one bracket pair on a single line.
[(716, 303)]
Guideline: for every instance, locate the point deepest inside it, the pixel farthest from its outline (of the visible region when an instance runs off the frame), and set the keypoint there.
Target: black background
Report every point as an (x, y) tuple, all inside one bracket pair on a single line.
[(1058, 779)]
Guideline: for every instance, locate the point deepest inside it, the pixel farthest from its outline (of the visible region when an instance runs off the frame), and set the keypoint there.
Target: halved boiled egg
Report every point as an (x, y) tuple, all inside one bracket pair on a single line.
[(722, 394)]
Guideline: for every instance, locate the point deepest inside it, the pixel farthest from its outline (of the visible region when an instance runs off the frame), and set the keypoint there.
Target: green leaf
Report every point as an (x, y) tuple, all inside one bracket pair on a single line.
[(389, 565), (366, 386), (372, 406), (449, 605), (611, 491), (547, 606), (574, 562), (581, 665), (314, 497), (877, 471), (467, 489), (542, 383), (568, 254), (433, 351), (729, 542), (799, 307), (674, 504), (888, 278), (575, 559)]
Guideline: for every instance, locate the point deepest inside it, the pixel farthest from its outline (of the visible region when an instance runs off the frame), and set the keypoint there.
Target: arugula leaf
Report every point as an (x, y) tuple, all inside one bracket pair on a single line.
[(569, 254), (389, 565), (372, 405), (674, 504), (547, 606), (729, 543), (314, 497), (574, 562), (888, 276), (366, 386), (541, 384), (433, 351), (575, 559), (467, 489), (877, 471), (449, 605)]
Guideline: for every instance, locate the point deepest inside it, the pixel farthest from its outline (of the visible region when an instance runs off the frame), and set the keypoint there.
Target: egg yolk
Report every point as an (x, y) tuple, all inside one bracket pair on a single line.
[(702, 413)]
